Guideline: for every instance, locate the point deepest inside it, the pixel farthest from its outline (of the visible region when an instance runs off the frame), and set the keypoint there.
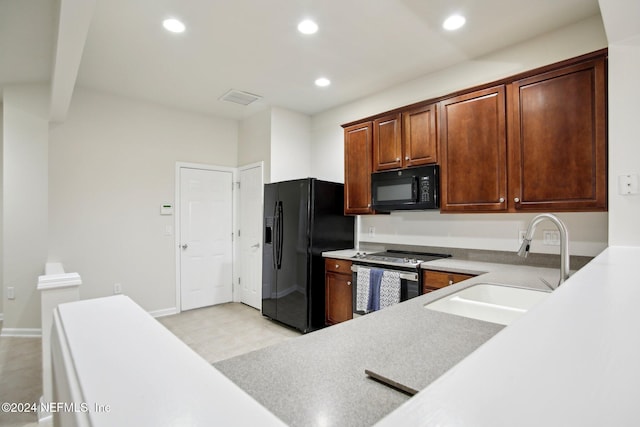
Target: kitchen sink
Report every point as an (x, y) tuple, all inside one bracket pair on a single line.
[(490, 302)]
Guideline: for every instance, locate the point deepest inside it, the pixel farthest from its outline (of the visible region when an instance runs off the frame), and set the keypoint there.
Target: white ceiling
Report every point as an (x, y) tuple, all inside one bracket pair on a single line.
[(363, 46)]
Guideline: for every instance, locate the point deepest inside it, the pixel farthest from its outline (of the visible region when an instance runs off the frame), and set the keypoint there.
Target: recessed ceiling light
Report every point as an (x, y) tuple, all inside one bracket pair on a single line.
[(308, 27), (173, 25), (323, 82), (453, 22)]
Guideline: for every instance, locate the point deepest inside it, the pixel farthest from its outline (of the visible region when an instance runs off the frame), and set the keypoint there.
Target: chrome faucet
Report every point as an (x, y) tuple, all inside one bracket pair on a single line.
[(564, 242)]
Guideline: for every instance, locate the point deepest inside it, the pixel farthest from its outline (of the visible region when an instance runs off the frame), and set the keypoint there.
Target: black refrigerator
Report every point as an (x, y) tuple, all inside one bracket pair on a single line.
[(302, 219)]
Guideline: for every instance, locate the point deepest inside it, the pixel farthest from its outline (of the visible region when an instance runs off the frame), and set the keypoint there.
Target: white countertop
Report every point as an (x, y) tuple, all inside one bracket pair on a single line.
[(571, 361), (122, 357)]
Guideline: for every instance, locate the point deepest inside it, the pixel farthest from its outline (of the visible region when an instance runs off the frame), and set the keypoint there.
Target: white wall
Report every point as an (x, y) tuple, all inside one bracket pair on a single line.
[(623, 32), (290, 145), (24, 218), (254, 141), (112, 163), (490, 231), (1, 210)]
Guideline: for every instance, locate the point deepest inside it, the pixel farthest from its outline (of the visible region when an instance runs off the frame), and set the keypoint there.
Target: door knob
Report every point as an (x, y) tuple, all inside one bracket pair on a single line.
[(185, 246)]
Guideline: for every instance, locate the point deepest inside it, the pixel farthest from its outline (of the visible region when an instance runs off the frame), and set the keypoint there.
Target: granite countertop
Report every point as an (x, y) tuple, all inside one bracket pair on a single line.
[(319, 379), (570, 361)]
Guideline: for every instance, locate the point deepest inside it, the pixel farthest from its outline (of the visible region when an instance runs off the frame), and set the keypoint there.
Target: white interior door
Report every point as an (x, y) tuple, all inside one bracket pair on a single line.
[(206, 226), (250, 209)]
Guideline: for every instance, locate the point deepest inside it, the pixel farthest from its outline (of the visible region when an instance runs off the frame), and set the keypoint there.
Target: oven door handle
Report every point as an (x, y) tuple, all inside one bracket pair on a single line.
[(412, 277)]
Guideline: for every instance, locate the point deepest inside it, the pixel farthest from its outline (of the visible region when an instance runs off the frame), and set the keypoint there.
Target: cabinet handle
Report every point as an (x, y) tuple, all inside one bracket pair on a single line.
[(450, 281), (407, 158), (517, 200), (349, 283), (397, 159), (337, 265), (501, 200)]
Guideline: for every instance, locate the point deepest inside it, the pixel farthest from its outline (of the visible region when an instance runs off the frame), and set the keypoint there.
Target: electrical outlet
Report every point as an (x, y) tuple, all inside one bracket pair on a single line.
[(551, 237), (11, 292), (117, 288), (521, 234)]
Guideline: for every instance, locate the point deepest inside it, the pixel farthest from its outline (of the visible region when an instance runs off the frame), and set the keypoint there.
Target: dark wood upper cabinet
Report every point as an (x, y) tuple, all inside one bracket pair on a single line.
[(405, 139), (536, 141), (387, 143), (357, 168), (473, 155), (557, 144), (419, 135)]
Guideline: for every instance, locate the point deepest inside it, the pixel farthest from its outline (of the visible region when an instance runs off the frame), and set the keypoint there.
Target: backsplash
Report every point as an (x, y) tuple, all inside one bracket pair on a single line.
[(588, 231), (499, 257)]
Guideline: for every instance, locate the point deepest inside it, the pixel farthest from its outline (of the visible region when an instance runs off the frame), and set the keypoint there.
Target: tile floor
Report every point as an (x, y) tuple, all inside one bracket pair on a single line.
[(216, 333)]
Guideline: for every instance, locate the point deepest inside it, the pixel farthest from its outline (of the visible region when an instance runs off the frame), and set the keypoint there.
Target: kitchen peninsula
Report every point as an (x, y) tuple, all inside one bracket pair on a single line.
[(577, 349)]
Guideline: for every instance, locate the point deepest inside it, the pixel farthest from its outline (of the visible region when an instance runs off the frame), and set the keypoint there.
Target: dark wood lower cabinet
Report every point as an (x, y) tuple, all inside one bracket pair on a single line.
[(338, 291), (434, 280)]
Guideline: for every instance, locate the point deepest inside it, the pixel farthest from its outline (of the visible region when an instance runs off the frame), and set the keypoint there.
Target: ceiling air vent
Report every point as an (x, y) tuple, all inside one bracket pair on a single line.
[(239, 97)]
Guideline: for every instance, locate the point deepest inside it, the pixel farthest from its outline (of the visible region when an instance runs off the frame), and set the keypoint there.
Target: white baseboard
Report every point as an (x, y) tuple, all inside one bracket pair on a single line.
[(164, 312), (21, 332), (37, 332)]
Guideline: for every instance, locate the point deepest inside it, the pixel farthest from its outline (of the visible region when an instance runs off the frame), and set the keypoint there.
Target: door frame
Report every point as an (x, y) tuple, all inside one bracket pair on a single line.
[(176, 223), (237, 296)]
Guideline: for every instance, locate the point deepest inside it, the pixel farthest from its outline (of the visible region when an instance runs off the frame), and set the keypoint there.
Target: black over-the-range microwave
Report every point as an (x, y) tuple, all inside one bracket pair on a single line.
[(405, 189)]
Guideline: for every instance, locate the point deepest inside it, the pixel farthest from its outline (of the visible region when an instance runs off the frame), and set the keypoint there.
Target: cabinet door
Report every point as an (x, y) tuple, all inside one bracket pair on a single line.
[(557, 146), (434, 280), (473, 156), (419, 136), (357, 168), (339, 306), (387, 143)]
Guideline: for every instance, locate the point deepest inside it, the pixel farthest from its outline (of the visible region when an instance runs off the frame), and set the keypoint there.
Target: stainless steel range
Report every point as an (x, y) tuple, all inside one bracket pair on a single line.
[(395, 258), (406, 263)]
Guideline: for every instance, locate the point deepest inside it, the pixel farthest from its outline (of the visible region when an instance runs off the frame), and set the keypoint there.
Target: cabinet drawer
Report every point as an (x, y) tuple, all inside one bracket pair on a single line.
[(337, 265), (434, 280)]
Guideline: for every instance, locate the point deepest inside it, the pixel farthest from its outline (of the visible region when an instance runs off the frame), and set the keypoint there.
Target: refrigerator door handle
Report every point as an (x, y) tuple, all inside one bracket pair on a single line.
[(276, 224), (280, 233)]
